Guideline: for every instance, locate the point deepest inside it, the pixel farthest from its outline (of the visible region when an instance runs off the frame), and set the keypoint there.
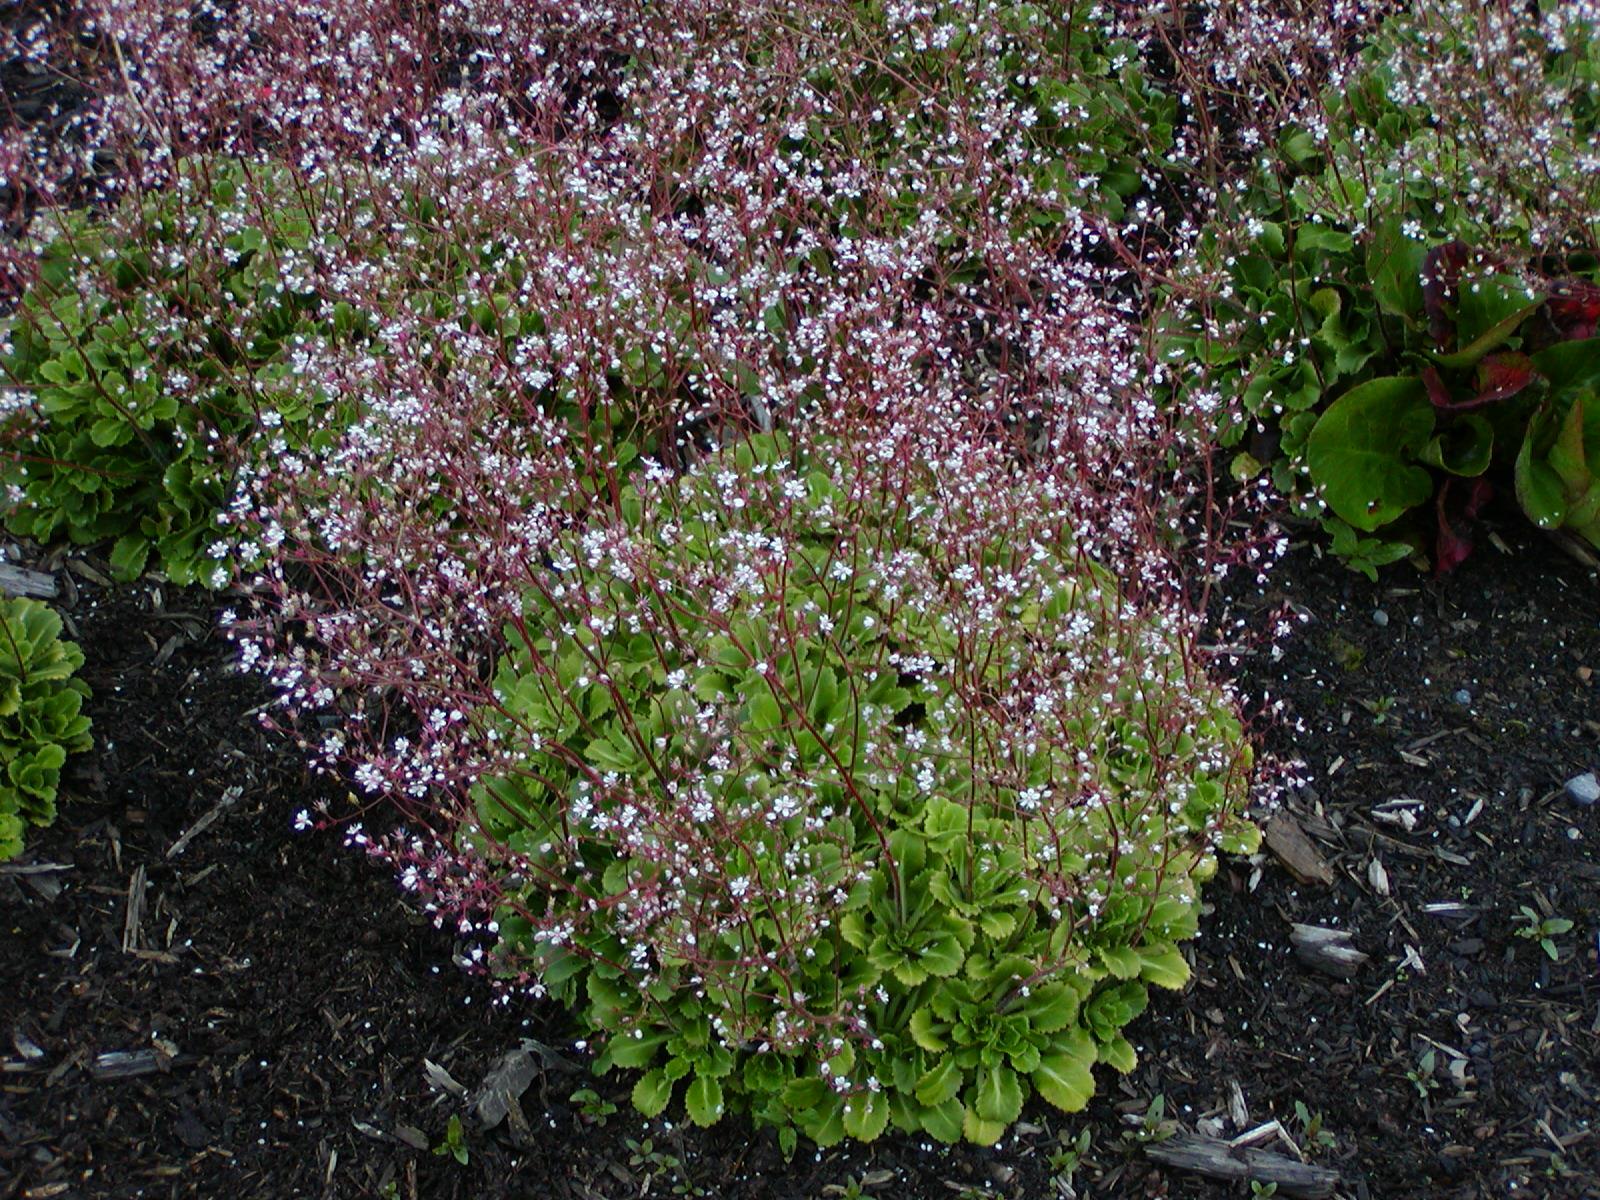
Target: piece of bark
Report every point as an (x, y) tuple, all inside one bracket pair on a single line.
[(1218, 1160), (1327, 950), (48, 868), (133, 917), (20, 581), (503, 1086), (1290, 846), (229, 798), (126, 1064)]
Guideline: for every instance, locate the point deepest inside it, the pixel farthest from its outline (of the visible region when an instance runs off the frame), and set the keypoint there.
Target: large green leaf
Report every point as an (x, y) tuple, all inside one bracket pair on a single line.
[(652, 1092), (1464, 448), (1064, 1076), (1492, 308), (703, 1099), (865, 1115), (1570, 365), (1361, 451), (1394, 265), (1539, 489), (1488, 319), (998, 1095)]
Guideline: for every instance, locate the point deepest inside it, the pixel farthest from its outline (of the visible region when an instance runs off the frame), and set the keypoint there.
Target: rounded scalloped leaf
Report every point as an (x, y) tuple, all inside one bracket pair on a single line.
[(1065, 1076), (979, 1131), (652, 1093), (1163, 966), (1362, 450), (866, 1114), (939, 1083), (703, 1100), (998, 1095), (945, 1121)]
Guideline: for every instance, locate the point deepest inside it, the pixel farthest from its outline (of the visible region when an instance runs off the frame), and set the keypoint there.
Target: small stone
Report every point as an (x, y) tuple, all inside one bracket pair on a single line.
[(1583, 789), (1380, 618), (1461, 696)]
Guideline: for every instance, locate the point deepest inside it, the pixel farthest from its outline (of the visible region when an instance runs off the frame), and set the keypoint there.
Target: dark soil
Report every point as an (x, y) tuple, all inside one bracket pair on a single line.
[(282, 1005)]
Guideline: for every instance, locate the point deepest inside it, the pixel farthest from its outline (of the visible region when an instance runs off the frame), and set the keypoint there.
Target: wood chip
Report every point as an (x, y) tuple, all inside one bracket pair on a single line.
[(229, 798), (1405, 812), (134, 915), (1218, 1160), (19, 581), (504, 1084), (441, 1080), (126, 1064), (1261, 1133), (1290, 846), (84, 571), (48, 868), (1238, 1111), (1378, 877), (1327, 950)]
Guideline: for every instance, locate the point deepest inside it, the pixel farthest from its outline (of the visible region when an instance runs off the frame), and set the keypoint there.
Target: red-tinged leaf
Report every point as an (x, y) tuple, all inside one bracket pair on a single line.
[(1441, 271), (1451, 549), (1455, 512), (1501, 376), (1574, 309), (1437, 392)]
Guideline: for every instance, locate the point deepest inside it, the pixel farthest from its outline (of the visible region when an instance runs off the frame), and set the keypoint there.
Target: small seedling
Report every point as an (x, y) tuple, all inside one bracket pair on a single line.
[(594, 1107), (1313, 1134), (1068, 1156), (1421, 1076), (452, 1144), (1257, 1188), (1153, 1127), (659, 1162), (850, 1189), (1379, 708), (1543, 930)]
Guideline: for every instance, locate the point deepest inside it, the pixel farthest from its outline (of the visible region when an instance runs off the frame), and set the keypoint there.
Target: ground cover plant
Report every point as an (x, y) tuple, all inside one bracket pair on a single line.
[(731, 493), (41, 718), (146, 363), (858, 788), (1392, 287)]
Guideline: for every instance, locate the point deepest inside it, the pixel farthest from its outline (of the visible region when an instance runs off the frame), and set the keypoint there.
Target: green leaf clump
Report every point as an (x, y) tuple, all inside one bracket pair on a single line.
[(796, 826), (148, 362), (1401, 315), (40, 718)]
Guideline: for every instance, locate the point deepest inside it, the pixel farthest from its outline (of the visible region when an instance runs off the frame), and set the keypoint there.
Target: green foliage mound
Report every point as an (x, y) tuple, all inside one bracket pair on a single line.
[(846, 791), (1401, 313), (149, 358), (40, 721)]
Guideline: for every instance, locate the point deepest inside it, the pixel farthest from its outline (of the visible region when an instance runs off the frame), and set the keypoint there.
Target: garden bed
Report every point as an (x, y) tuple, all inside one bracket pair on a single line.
[(274, 1020), (214, 982)]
